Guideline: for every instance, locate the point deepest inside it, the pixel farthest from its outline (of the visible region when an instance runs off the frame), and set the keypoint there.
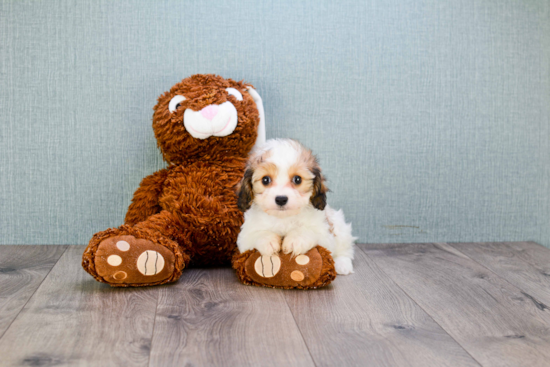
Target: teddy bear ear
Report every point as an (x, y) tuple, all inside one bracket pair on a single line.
[(260, 140)]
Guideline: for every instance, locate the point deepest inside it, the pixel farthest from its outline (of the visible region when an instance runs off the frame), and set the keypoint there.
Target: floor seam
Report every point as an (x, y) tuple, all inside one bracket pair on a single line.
[(422, 308), (37, 288), (299, 329), (153, 331)]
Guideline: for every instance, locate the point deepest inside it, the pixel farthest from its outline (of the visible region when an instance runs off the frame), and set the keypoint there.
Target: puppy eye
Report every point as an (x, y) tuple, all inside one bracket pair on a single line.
[(266, 180), (175, 103), (235, 93), (296, 180)]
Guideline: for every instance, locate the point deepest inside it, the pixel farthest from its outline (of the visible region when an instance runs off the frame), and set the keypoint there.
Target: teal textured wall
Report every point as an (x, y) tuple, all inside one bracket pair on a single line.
[(431, 118)]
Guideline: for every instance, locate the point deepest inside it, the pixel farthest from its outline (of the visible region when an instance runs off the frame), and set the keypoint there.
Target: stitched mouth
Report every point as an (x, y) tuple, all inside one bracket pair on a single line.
[(223, 128)]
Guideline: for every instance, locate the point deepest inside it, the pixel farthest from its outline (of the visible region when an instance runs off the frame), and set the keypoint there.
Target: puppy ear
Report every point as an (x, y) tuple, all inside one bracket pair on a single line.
[(244, 191), (319, 196)]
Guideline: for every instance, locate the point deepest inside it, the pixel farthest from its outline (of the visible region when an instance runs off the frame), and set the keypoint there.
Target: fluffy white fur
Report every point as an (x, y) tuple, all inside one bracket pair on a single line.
[(297, 226)]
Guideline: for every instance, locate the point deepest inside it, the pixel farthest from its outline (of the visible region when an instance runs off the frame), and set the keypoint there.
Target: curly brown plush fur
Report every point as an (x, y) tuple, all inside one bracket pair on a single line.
[(175, 143), (189, 207)]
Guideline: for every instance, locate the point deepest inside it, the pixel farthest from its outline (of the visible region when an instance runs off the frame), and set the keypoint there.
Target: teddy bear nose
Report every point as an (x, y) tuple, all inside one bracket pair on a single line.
[(209, 112)]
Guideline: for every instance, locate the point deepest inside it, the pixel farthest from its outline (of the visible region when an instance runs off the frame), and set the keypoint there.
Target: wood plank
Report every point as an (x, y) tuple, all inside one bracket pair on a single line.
[(365, 319), (497, 323), (74, 320), (524, 264), (22, 270), (210, 319), (533, 253)]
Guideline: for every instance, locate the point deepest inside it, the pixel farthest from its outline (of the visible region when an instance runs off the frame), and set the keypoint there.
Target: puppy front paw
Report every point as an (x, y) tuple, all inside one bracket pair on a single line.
[(297, 245), (269, 245)]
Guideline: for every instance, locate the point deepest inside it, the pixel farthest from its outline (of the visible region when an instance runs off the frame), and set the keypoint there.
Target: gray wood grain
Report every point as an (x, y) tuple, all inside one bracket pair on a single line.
[(210, 319), (22, 270), (365, 319), (524, 264), (497, 323), (533, 253), (412, 304), (74, 320)]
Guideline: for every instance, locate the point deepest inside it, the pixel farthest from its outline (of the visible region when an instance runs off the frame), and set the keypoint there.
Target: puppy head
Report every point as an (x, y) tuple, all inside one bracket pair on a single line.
[(282, 178)]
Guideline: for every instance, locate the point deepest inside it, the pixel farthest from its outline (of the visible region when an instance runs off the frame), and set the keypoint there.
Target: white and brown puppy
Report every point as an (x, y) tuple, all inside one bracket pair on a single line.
[(283, 195)]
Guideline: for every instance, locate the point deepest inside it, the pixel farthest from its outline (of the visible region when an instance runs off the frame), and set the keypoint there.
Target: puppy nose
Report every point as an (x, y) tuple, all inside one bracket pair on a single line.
[(209, 112), (281, 200)]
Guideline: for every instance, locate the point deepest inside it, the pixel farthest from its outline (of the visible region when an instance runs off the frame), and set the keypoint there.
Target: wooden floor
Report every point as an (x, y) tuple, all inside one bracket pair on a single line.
[(443, 304)]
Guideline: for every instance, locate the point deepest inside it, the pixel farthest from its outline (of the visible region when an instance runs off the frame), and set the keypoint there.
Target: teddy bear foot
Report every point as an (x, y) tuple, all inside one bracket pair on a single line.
[(311, 270), (129, 261)]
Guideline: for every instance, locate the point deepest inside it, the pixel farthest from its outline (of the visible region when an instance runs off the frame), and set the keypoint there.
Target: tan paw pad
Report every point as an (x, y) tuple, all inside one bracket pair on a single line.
[(114, 260), (150, 263), (297, 276), (123, 246), (120, 275), (302, 259), (268, 266)]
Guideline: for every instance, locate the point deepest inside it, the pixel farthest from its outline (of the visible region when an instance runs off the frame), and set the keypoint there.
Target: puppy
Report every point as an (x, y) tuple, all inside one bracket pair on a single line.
[(283, 195)]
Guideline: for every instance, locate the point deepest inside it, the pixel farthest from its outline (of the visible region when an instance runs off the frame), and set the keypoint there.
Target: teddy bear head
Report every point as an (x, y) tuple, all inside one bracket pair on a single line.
[(208, 117)]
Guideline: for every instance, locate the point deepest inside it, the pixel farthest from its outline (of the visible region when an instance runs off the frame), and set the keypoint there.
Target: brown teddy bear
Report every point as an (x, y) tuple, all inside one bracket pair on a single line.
[(187, 214)]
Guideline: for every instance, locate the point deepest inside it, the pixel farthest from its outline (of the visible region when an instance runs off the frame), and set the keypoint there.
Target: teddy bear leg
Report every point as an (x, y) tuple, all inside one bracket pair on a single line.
[(312, 270), (140, 255)]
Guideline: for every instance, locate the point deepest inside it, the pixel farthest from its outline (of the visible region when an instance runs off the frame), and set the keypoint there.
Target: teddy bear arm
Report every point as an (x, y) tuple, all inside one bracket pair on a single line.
[(145, 202)]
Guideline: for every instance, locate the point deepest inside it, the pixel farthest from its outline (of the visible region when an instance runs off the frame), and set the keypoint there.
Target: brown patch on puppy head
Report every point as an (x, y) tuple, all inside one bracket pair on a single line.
[(255, 166), (258, 157), (177, 145), (319, 195), (306, 157), (305, 174), (303, 167), (264, 169), (245, 192)]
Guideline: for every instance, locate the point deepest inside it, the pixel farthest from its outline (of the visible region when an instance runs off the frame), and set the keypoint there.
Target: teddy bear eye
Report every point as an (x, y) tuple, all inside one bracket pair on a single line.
[(235, 93), (175, 103)]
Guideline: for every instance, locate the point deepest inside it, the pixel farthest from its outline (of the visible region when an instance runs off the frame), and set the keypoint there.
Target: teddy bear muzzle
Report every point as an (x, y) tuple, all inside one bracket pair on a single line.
[(212, 120)]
